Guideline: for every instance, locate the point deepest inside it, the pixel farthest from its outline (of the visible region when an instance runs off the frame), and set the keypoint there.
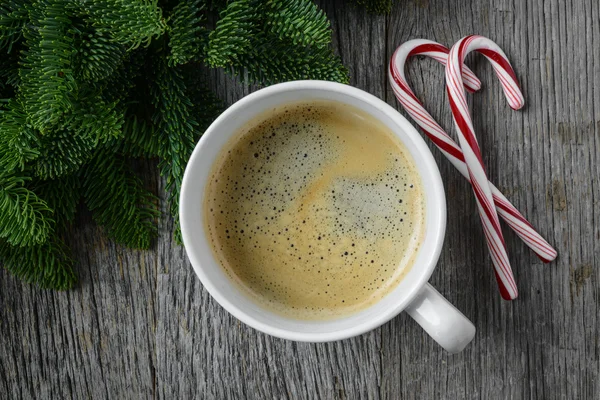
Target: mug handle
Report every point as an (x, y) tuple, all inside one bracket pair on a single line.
[(441, 320)]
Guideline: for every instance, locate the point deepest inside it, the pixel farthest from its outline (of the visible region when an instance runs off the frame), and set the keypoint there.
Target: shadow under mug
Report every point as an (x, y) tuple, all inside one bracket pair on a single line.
[(448, 326)]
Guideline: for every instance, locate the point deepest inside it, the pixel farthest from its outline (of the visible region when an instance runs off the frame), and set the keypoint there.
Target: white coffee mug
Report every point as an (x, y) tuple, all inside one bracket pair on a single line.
[(448, 326)]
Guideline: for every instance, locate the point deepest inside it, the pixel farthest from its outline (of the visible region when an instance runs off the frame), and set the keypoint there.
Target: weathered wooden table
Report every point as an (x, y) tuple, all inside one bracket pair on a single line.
[(140, 324)]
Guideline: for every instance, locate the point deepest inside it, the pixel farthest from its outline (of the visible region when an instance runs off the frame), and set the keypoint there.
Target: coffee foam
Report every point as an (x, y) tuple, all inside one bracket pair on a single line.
[(315, 209)]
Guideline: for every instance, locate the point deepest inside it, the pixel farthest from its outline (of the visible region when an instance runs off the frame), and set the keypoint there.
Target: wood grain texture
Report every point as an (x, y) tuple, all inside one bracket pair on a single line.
[(140, 325)]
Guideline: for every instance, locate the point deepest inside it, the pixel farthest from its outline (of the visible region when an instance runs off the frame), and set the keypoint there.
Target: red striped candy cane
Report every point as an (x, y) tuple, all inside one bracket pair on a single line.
[(471, 150), (449, 148)]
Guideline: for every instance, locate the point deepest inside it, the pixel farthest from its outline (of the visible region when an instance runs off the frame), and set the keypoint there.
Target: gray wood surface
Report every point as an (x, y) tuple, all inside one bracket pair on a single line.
[(140, 325)]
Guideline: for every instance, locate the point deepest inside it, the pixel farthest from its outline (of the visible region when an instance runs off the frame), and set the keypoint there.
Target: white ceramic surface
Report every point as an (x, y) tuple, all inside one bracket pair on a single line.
[(433, 312)]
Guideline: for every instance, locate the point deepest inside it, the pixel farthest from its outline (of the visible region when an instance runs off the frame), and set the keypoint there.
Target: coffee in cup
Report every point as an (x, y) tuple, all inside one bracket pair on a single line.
[(315, 209)]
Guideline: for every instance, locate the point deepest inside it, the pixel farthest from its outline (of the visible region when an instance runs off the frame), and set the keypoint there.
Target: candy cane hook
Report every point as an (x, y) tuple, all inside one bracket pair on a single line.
[(471, 150), (447, 146)]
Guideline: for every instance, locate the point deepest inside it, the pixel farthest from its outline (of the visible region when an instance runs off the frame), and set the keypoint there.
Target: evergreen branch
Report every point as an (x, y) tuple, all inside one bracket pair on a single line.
[(177, 127), (25, 219), (91, 121), (13, 17), (140, 139), (48, 265), (83, 92), (139, 136), (118, 200), (127, 22), (245, 46), (63, 152), (18, 141), (279, 61), (296, 63), (231, 38), (46, 75), (62, 195), (92, 117), (300, 21), (96, 56), (187, 36)]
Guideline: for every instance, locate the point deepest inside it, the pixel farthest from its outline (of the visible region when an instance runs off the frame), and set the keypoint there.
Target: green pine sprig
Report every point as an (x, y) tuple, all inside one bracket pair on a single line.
[(14, 15), (140, 139), (118, 200), (232, 37), (96, 56), (25, 219), (302, 22), (62, 152), (176, 126), (250, 32), (48, 265), (47, 81), (19, 142), (95, 118), (87, 84), (187, 34), (62, 195), (127, 22)]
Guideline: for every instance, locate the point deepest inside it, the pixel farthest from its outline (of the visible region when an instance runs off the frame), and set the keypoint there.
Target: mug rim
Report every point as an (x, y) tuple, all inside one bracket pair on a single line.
[(425, 157)]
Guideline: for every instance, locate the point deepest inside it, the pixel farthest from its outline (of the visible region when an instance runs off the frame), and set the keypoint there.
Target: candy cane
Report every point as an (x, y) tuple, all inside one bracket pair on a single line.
[(449, 148), (471, 150)]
